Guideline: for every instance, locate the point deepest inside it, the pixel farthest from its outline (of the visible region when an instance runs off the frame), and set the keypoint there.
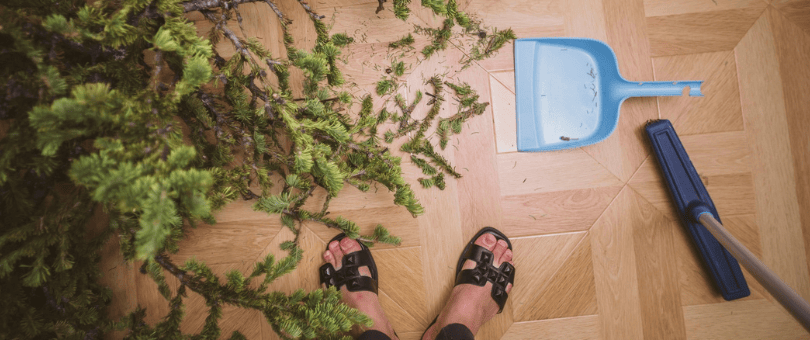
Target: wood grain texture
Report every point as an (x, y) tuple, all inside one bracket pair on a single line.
[(541, 257), (555, 212), (797, 11), (542, 18), (584, 18), (793, 47), (504, 115), (758, 319), (657, 8), (615, 269), (479, 190), (577, 328), (763, 106), (506, 78), (659, 290), (719, 109), (701, 32), (209, 242), (530, 173), (570, 292), (401, 280)]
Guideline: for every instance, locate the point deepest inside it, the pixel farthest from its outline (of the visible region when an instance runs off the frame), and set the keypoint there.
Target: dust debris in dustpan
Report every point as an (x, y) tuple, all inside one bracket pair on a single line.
[(567, 138)]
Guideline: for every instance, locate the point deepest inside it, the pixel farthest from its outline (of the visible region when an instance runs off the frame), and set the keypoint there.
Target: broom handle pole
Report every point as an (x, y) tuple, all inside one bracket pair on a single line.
[(794, 303)]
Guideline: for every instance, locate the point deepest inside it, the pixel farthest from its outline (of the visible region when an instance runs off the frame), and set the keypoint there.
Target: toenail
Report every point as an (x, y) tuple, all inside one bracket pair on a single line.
[(489, 239), (346, 242), (503, 243)]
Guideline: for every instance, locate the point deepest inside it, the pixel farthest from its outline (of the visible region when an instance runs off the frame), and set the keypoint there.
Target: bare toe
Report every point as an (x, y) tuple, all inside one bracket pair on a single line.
[(334, 248), (500, 248), (327, 256), (349, 246), (507, 256), (487, 241)]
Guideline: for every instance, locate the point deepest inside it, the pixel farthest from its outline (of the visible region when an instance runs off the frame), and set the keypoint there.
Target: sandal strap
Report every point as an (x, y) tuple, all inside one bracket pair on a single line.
[(484, 272), (349, 275)]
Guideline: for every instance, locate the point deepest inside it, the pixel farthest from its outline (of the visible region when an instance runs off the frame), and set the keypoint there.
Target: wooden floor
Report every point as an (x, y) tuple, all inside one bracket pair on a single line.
[(599, 251)]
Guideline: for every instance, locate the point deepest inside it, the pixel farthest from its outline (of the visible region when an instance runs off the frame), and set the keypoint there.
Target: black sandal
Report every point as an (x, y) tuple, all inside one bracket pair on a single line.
[(484, 271), (348, 274)]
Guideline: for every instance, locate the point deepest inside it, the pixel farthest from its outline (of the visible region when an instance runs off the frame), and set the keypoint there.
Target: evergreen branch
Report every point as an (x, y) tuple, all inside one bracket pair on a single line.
[(220, 25), (402, 42), (201, 5), (312, 14)]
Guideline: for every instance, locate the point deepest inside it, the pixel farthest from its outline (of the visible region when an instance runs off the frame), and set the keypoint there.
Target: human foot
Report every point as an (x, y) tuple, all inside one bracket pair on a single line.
[(364, 301), (471, 305)]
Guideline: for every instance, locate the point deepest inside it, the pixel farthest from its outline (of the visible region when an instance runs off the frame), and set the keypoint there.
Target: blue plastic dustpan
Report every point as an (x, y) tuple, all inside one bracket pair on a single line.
[(569, 92)]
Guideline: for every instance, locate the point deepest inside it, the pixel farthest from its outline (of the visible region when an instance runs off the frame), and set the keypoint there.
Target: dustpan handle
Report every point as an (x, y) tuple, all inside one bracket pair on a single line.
[(660, 88), (794, 303)]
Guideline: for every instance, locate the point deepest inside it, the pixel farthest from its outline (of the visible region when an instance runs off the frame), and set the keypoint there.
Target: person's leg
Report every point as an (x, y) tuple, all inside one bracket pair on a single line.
[(366, 302), (455, 331), (373, 335), (469, 305)]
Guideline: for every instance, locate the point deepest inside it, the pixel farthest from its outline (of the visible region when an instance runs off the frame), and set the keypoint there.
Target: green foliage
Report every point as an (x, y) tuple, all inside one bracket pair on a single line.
[(122, 110), (401, 9), (437, 6), (398, 68), (385, 86), (468, 108), (489, 46), (341, 39), (407, 40), (440, 37)]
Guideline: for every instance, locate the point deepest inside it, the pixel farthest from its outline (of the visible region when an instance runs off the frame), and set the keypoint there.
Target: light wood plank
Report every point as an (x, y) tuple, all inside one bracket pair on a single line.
[(401, 280), (507, 78), (529, 173), (773, 173), (570, 292), (578, 328), (740, 320), (585, 18), (626, 32), (701, 32), (659, 291), (793, 47), (716, 154), (375, 28), (528, 19), (479, 190), (797, 11), (213, 244), (540, 257), (615, 269), (719, 110), (555, 212), (657, 8), (440, 233), (504, 116)]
